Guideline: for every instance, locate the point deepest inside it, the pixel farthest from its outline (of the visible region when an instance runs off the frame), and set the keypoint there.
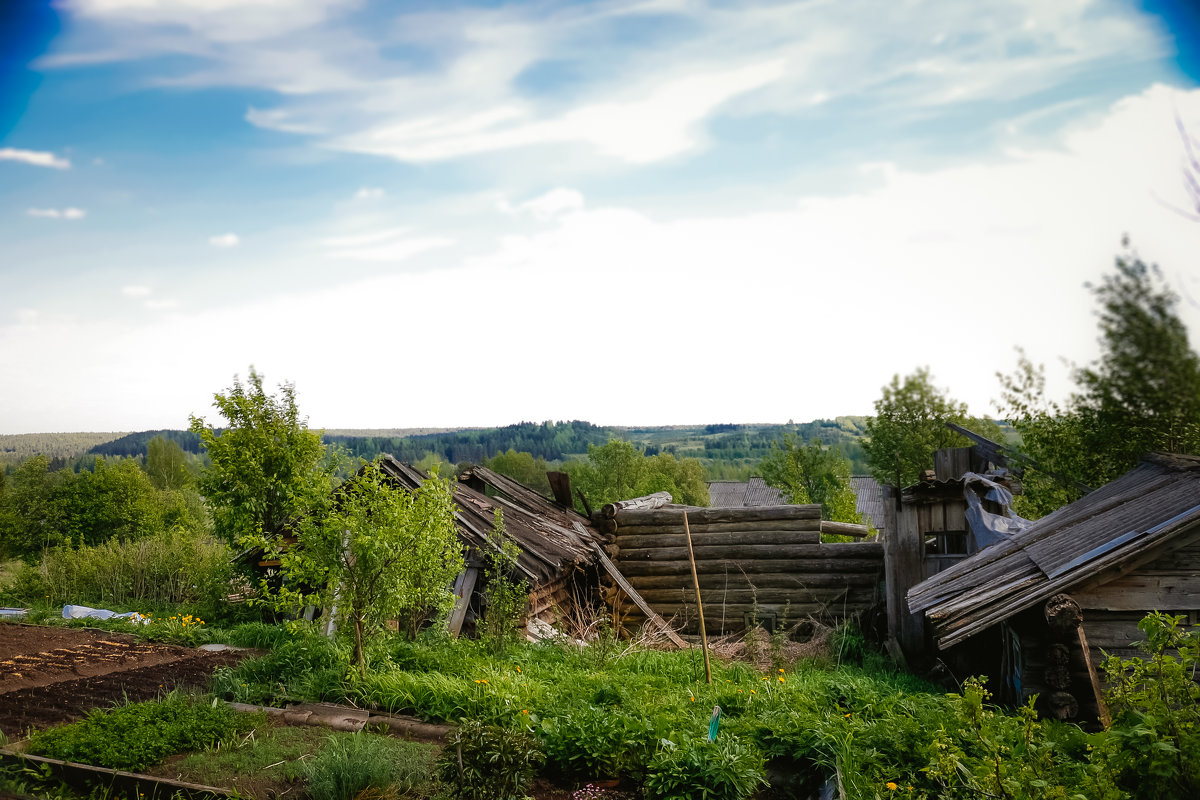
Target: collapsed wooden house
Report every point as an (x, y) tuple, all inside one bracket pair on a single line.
[(556, 547), (1037, 610)]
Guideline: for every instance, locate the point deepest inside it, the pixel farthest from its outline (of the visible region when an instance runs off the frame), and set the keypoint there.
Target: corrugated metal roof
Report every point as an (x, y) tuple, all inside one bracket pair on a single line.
[(736, 494), (869, 500), (1139, 512)]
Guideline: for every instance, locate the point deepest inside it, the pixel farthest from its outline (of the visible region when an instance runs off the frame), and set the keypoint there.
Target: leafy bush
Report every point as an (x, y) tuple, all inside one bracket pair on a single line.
[(175, 567), (137, 736), (488, 762), (303, 666), (727, 769), (348, 765), (1153, 750), (597, 743)]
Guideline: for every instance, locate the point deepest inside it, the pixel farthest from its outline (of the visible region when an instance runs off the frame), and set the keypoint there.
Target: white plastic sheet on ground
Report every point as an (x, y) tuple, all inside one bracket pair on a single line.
[(83, 612)]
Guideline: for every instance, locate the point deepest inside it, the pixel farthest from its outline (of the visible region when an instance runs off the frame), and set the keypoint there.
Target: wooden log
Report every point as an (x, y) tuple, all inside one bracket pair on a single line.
[(752, 566), (1057, 672), (716, 581), (834, 607), (656, 500), (709, 539), (608, 526), (845, 529), (1061, 705), (705, 516), (813, 525), (1063, 616), (768, 596), (740, 552)]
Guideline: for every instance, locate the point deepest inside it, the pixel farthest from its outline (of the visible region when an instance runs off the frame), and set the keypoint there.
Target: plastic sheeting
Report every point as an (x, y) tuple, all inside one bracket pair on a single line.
[(83, 612), (989, 528)]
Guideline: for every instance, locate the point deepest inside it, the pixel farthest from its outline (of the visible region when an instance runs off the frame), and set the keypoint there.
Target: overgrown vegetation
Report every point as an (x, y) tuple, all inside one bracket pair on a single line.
[(137, 736)]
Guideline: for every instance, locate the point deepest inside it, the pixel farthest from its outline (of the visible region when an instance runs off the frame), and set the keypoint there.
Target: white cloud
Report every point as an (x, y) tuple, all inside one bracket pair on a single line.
[(369, 193), (162, 305), (552, 204), (383, 245), (486, 79), (136, 291), (220, 20), (56, 213), (37, 158), (224, 240)]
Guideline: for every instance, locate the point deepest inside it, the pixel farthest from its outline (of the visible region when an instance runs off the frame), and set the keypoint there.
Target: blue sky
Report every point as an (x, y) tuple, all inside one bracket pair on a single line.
[(440, 214)]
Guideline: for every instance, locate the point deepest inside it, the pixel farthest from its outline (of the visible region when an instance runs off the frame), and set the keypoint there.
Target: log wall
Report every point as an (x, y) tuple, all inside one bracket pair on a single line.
[(768, 558)]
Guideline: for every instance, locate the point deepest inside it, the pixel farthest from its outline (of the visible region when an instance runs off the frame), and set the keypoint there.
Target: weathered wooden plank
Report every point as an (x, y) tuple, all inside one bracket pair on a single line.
[(1143, 591), (464, 585), (736, 552), (705, 516)]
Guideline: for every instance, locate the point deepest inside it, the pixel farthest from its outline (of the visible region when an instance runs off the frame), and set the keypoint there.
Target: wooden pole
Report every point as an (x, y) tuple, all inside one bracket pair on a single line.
[(699, 602)]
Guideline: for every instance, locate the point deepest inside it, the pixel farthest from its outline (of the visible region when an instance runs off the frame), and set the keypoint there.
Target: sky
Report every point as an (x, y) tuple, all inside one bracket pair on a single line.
[(633, 212)]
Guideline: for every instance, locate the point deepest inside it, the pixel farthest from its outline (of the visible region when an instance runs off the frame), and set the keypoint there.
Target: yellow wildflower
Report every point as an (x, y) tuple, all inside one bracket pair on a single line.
[(892, 785)]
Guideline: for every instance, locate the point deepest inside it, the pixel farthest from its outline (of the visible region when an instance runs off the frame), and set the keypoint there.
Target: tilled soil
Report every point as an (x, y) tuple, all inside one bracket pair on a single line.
[(53, 675)]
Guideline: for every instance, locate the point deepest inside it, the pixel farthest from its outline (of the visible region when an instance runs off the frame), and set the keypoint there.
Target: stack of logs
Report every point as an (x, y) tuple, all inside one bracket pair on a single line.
[(1064, 624), (765, 559)]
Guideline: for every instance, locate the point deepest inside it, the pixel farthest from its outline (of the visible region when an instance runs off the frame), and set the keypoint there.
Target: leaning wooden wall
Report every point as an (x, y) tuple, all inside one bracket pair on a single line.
[(768, 558)]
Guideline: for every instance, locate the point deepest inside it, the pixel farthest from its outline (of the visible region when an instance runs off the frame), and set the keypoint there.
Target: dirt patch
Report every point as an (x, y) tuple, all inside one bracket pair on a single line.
[(54, 675)]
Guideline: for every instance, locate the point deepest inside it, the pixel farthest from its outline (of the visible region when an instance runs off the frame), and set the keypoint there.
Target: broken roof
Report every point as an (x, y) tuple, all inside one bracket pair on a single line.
[(1115, 528), (552, 540)]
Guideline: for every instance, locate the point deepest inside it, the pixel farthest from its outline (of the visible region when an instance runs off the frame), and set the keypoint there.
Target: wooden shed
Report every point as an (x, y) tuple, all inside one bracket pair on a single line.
[(1127, 548)]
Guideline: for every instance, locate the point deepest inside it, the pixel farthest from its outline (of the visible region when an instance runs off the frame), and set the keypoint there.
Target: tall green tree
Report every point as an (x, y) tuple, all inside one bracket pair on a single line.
[(166, 464), (812, 473), (521, 467), (1142, 394), (29, 517), (379, 553), (910, 424), (266, 468), (619, 471)]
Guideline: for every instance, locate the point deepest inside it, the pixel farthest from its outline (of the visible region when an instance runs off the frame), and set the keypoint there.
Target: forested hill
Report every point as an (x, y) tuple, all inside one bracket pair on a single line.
[(734, 445)]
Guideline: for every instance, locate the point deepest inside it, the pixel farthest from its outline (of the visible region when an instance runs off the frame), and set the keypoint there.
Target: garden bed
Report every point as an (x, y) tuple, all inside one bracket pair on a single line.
[(51, 675)]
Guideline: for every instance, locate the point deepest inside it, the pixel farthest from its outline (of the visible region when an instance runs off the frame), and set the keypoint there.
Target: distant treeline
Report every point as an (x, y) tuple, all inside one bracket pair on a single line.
[(727, 450), (134, 444), (551, 441)]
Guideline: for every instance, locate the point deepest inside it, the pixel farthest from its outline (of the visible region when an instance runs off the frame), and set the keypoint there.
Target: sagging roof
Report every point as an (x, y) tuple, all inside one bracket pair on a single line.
[(735, 494), (552, 540), (1120, 525)]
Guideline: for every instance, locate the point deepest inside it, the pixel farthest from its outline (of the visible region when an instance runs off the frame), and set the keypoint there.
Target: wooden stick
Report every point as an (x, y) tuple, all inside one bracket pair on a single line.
[(1105, 715), (699, 602)]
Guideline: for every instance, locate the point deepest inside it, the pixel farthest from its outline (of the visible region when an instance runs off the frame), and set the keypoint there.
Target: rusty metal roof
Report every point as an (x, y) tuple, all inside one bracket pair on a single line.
[(1122, 523)]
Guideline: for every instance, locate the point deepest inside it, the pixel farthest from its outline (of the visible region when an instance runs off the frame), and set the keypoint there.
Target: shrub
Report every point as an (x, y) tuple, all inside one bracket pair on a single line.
[(1153, 748), (597, 743), (727, 769), (171, 568), (140, 735), (487, 762), (349, 765), (303, 666)]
